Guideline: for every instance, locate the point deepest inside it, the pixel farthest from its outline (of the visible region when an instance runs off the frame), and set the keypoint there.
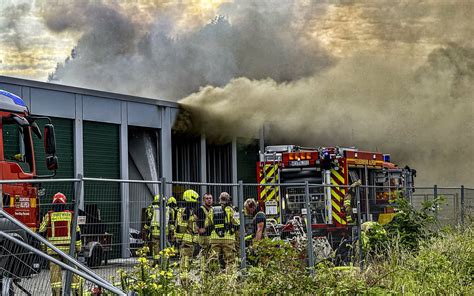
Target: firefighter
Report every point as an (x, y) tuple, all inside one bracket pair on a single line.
[(255, 222), (173, 210), (203, 228), (186, 230), (56, 225), (348, 201), (224, 223), (153, 226)]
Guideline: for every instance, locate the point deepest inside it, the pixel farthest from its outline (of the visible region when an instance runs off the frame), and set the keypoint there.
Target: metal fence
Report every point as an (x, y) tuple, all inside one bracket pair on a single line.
[(114, 219)]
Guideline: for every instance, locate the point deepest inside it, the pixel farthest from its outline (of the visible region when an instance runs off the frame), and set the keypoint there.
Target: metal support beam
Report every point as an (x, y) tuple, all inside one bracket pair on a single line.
[(243, 262), (359, 230), (462, 206), (234, 169), (72, 244), (366, 191), (203, 162), (261, 139), (309, 229), (165, 146), (124, 187), (78, 144)]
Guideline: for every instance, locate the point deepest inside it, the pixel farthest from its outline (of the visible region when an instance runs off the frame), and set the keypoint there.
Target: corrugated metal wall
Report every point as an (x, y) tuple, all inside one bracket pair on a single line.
[(186, 158)]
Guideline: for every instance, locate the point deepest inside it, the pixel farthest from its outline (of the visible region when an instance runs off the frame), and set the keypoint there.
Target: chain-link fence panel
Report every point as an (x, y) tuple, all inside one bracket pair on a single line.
[(36, 214), (467, 209)]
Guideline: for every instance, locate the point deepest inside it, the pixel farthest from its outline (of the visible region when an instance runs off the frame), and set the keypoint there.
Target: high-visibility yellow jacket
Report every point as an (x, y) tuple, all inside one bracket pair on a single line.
[(223, 230), (153, 220), (57, 226), (186, 228)]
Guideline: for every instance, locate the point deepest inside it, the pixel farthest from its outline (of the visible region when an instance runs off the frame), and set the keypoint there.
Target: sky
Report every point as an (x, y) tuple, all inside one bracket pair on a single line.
[(386, 75)]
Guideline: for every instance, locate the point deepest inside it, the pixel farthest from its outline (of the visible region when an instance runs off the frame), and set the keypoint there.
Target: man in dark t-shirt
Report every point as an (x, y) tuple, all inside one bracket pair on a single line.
[(204, 229), (255, 222)]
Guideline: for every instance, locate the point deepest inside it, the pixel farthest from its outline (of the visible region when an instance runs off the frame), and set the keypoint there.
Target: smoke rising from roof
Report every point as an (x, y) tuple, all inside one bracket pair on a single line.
[(423, 116), (390, 76), (118, 54)]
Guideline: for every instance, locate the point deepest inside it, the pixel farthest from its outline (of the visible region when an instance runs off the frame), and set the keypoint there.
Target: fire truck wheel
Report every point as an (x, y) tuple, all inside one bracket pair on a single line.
[(95, 258)]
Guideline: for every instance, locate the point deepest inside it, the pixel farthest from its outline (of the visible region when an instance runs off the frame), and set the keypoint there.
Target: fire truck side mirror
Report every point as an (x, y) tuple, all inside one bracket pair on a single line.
[(49, 139), (52, 162)]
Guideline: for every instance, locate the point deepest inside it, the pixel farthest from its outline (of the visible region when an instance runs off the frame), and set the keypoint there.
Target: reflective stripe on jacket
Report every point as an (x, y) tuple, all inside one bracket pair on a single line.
[(223, 231), (57, 226), (186, 229)]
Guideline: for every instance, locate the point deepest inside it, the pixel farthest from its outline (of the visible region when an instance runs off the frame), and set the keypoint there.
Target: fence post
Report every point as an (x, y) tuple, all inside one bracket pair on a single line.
[(243, 255), (359, 232), (309, 229), (163, 211), (72, 244), (462, 206), (435, 196)]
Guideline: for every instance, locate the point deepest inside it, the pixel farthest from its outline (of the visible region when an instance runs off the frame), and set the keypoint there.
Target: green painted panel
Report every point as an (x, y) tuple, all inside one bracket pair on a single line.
[(247, 157), (64, 132), (102, 160)]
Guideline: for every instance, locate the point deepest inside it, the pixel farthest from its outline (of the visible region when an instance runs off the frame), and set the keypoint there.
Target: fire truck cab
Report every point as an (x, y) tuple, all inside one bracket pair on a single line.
[(21, 200), (282, 170)]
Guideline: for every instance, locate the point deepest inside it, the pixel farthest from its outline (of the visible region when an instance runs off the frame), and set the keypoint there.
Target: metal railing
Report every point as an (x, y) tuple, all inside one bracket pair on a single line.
[(113, 216)]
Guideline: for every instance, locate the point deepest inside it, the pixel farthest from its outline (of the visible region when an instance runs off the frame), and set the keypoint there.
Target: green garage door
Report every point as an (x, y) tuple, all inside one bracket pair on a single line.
[(64, 131), (102, 160)]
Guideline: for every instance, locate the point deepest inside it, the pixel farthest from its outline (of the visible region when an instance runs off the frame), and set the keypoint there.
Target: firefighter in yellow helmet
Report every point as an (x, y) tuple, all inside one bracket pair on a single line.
[(56, 225), (186, 230), (153, 226), (224, 223)]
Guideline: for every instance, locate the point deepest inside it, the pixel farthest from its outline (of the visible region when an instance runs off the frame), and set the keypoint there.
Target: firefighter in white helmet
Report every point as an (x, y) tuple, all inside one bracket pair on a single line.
[(56, 224)]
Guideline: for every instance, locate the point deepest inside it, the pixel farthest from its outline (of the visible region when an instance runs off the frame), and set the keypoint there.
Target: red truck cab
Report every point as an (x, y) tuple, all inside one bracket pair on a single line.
[(17, 158)]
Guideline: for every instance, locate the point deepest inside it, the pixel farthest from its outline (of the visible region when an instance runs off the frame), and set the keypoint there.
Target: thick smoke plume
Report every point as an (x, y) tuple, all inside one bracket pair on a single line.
[(393, 76), (423, 116), (119, 54)]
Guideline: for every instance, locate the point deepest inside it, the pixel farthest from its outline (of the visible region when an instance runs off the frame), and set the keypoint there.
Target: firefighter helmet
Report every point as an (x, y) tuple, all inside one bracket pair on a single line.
[(190, 196), (59, 198), (156, 198), (172, 201)]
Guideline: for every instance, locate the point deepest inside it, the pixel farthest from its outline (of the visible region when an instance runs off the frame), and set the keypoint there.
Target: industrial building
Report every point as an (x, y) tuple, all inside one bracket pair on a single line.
[(115, 136)]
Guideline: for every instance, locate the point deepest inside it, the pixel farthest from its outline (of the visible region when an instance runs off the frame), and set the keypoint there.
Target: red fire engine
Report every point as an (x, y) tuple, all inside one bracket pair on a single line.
[(280, 168), (17, 162)]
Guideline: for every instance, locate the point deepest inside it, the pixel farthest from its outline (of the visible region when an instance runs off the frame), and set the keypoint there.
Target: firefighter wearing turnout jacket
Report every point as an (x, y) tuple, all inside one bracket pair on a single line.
[(349, 202), (153, 225), (224, 223), (173, 211), (56, 225), (186, 230)]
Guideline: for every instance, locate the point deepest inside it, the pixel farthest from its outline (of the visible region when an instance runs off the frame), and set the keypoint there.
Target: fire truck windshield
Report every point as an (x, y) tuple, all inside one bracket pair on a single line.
[(17, 144)]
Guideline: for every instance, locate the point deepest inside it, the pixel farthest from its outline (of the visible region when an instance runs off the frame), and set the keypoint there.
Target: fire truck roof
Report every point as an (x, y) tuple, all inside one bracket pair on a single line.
[(11, 102)]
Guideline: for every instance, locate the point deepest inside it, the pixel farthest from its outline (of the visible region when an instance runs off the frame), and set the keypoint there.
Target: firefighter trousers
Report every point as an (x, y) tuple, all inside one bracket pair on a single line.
[(56, 279), (224, 248), (186, 252), (205, 251), (155, 247)]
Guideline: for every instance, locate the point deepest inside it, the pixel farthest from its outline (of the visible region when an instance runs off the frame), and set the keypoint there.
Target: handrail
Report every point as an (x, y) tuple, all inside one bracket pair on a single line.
[(109, 287)]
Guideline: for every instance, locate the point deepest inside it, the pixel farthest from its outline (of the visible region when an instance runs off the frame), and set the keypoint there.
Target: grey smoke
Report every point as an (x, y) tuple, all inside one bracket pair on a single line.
[(424, 116), (116, 54)]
